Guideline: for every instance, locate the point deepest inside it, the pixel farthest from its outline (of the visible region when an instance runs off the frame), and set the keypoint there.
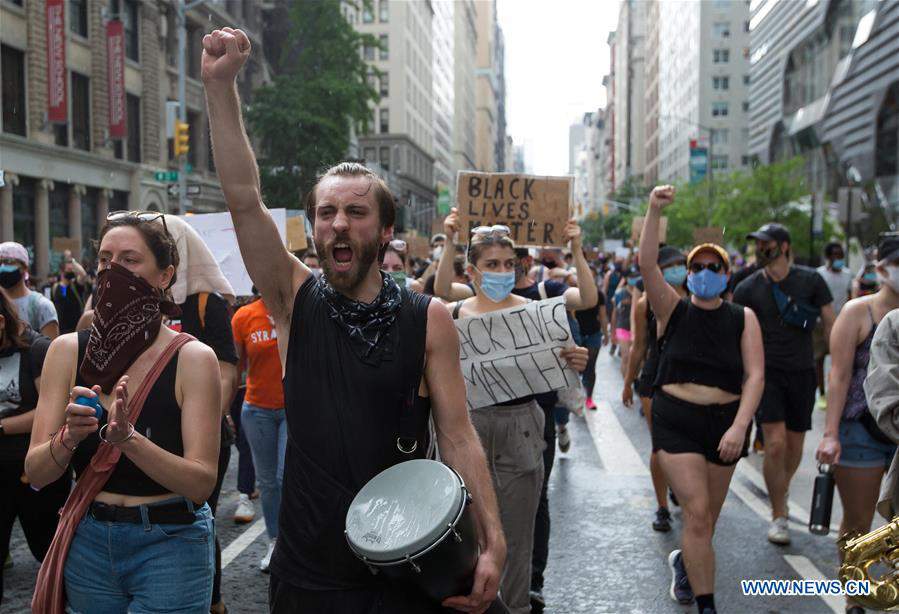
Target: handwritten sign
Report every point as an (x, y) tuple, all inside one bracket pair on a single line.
[(534, 208), (61, 244), (514, 353), (296, 234), (637, 228), (712, 234)]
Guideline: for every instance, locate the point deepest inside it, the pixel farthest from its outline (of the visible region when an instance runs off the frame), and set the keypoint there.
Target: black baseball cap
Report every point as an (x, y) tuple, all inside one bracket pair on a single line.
[(632, 271), (771, 232), (888, 248), (670, 255)]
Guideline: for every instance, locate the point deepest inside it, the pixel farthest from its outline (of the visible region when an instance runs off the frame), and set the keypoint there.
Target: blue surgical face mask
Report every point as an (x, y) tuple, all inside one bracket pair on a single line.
[(706, 284), (497, 286), (675, 275), (872, 276), (837, 265), (633, 281)]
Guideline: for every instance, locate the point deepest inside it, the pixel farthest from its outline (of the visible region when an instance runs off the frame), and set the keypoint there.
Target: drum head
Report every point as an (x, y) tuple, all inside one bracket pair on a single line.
[(403, 510)]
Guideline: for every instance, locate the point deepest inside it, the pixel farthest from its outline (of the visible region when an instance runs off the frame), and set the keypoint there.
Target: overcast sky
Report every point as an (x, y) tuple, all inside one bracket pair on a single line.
[(556, 56)]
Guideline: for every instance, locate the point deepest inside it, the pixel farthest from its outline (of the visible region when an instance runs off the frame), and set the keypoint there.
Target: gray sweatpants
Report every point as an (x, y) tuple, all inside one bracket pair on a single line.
[(513, 443)]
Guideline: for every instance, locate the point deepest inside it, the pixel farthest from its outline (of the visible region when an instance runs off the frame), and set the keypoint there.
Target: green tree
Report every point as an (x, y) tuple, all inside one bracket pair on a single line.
[(304, 117)]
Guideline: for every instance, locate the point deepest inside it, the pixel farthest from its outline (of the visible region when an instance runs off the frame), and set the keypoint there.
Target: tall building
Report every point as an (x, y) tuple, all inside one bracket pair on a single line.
[(628, 86), (703, 78), (402, 140), (444, 93), (61, 178), (651, 97), (825, 84), (465, 51), (499, 59), (590, 162), (577, 134), (486, 124)]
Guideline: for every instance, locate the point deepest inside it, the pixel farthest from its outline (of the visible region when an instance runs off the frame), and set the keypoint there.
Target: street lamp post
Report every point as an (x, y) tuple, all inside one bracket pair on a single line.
[(709, 166)]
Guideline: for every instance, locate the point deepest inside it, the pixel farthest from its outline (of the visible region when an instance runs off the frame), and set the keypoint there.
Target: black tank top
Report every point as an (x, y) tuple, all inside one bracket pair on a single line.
[(703, 347), (651, 363), (159, 421), (343, 419)]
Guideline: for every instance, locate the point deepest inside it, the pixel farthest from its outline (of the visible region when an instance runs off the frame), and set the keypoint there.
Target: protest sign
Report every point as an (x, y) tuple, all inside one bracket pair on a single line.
[(217, 231), (61, 244), (708, 235), (296, 233), (514, 353), (534, 208), (637, 228)]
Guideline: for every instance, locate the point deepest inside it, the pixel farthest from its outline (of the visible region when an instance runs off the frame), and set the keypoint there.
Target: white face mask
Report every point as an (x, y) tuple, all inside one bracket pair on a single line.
[(893, 277)]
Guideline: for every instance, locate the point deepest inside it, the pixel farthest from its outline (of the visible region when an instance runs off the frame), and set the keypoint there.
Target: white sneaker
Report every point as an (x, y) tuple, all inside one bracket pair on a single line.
[(564, 439), (267, 559), (778, 533), (245, 511)]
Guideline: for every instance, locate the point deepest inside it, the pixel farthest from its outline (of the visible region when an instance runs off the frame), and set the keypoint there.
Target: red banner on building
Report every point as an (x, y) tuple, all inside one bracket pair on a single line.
[(57, 107), (115, 63)]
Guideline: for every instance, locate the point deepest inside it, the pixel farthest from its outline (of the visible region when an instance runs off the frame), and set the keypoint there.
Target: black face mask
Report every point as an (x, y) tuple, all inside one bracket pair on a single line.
[(70, 276), (549, 263), (9, 279), (766, 257)]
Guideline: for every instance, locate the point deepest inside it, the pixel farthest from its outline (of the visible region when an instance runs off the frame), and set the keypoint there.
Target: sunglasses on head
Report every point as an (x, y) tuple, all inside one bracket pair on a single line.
[(497, 231), (714, 267), (399, 245), (143, 216)]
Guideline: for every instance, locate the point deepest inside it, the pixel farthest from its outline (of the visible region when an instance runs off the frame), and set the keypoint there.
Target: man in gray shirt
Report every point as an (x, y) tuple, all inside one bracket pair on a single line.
[(34, 308)]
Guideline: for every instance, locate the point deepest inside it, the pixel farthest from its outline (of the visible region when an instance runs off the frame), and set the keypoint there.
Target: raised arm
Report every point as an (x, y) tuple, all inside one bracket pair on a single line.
[(662, 297), (443, 282), (275, 272), (585, 295)]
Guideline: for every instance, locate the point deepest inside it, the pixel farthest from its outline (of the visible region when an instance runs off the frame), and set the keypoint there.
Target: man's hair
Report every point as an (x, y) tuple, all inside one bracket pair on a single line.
[(385, 200), (831, 247)]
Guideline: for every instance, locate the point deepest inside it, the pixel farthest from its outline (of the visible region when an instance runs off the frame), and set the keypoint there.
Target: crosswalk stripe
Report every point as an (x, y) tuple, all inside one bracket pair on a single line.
[(806, 569), (242, 542)]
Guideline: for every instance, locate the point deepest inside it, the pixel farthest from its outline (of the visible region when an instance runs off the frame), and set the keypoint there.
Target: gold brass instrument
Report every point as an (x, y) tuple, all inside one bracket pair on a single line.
[(861, 552)]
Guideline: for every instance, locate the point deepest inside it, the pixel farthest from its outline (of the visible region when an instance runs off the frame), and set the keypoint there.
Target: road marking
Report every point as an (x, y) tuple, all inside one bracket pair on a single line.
[(807, 570), (242, 542), (615, 449)]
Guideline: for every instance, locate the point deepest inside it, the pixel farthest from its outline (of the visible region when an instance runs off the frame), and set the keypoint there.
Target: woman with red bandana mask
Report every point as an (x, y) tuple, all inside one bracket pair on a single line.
[(145, 462)]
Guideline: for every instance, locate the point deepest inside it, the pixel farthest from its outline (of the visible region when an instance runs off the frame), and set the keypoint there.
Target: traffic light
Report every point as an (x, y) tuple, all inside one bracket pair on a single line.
[(182, 138)]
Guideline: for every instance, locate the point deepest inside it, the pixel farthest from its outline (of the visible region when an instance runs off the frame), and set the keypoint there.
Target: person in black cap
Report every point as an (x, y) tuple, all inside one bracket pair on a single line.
[(788, 299), (852, 440), (645, 351)]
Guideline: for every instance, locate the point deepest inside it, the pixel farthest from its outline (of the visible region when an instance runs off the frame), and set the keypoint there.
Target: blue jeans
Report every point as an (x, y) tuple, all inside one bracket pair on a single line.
[(266, 430), (119, 567)]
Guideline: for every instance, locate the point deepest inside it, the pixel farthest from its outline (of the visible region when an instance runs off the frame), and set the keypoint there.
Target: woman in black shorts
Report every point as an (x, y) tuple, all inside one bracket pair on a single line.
[(645, 350), (709, 382)]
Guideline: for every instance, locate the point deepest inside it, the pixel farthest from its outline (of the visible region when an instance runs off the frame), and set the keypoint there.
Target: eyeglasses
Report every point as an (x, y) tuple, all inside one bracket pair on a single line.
[(143, 216), (399, 245), (498, 230), (714, 267)]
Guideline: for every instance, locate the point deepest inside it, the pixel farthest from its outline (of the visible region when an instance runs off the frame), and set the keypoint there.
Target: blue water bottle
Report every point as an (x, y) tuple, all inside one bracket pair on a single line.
[(91, 402)]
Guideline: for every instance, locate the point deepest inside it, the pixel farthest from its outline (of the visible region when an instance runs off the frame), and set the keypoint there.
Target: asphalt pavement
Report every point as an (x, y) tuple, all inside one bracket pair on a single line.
[(604, 555)]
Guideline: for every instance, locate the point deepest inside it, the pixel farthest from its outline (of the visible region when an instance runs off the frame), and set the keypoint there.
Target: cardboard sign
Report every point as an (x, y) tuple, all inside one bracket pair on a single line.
[(418, 246), (637, 229), (296, 234), (708, 235), (534, 208), (61, 244), (514, 353)]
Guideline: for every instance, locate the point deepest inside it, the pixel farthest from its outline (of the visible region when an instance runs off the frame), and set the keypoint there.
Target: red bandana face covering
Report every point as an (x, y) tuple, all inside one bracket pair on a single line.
[(127, 317)]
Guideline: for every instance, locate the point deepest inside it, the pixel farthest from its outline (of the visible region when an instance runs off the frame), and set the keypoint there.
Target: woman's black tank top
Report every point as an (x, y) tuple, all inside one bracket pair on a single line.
[(702, 346), (159, 421), (651, 363)]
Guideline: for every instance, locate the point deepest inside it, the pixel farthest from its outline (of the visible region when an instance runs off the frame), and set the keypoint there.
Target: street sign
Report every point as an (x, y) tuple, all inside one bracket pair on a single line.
[(699, 162), (192, 190), (443, 200), (168, 176)]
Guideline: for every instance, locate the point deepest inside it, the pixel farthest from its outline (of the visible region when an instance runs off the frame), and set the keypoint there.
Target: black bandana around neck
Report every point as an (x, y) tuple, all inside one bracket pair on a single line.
[(367, 324)]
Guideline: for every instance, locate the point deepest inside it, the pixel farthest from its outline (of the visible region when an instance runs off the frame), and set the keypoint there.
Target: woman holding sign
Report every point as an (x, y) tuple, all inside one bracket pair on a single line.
[(708, 386), (510, 431)]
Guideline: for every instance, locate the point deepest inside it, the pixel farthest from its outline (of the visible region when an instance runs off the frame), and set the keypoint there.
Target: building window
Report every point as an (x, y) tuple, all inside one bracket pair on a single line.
[(133, 109), (721, 83), (385, 85), (59, 210), (719, 162), (23, 211), (13, 71), (721, 29), (887, 147), (719, 136), (721, 56), (746, 80), (129, 12), (384, 156), (384, 121), (745, 107), (385, 49), (367, 15), (745, 160), (746, 26), (383, 11), (369, 154), (78, 17), (88, 221), (81, 112), (719, 109), (368, 52)]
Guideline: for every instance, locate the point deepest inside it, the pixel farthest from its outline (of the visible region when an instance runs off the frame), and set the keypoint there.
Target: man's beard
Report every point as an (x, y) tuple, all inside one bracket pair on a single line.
[(364, 256)]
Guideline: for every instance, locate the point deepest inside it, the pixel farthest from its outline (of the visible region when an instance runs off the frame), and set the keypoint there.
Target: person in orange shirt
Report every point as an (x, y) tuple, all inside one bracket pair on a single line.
[(262, 416)]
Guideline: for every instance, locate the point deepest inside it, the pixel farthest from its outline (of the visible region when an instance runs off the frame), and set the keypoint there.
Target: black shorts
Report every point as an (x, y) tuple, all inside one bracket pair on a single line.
[(679, 427), (643, 388), (789, 397)]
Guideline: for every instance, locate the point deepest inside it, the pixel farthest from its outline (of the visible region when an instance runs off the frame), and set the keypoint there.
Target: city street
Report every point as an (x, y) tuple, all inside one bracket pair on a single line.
[(604, 556)]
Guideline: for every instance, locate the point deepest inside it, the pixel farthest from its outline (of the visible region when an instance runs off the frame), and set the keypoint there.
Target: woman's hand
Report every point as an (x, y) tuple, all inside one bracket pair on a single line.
[(829, 450), (451, 225), (119, 428), (661, 196), (576, 357), (81, 420), (627, 395), (731, 444)]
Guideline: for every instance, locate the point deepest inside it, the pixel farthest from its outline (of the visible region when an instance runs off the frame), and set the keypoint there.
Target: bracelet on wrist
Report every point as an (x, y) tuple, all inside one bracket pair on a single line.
[(53, 456), (115, 443), (62, 439)]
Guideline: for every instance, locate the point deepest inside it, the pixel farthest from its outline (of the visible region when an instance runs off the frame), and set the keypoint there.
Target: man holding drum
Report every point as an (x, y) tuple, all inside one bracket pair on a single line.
[(363, 363)]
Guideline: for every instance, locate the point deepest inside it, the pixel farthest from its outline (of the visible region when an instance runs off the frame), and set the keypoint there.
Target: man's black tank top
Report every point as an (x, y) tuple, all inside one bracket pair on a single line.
[(702, 346), (343, 420), (159, 421)]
